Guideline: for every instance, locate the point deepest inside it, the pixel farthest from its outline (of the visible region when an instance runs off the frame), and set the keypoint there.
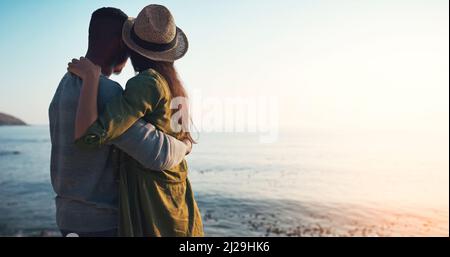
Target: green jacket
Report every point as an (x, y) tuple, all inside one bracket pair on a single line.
[(152, 203)]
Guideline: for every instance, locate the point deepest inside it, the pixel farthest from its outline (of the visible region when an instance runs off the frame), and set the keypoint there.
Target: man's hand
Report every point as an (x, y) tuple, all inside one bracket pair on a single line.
[(151, 147), (188, 144)]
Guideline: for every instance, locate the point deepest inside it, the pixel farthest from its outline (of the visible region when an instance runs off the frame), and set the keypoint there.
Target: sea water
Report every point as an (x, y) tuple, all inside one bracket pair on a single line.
[(306, 183)]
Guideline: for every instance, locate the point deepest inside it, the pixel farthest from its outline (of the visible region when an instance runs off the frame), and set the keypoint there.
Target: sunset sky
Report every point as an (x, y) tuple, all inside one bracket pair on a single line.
[(340, 64)]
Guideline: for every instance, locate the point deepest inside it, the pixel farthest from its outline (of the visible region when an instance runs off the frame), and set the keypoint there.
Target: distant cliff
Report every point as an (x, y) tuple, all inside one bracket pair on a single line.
[(6, 119)]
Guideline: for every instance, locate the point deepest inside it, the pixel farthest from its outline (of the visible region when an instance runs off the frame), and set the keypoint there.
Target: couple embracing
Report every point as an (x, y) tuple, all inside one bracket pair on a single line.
[(118, 163)]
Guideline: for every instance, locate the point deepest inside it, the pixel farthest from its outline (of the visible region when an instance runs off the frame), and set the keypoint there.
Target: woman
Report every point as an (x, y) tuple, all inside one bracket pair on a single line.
[(152, 203)]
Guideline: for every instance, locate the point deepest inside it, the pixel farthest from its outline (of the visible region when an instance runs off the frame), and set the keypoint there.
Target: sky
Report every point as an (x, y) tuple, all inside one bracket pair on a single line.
[(328, 64)]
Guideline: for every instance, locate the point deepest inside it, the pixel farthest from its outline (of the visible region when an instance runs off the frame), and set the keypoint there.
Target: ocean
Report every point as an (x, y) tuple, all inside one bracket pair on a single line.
[(306, 183)]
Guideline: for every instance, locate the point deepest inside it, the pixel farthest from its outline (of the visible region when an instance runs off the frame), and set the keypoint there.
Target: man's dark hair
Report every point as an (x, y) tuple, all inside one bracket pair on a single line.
[(105, 25)]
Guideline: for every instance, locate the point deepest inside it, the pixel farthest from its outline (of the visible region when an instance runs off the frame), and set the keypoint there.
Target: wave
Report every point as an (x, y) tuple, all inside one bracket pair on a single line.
[(3, 153)]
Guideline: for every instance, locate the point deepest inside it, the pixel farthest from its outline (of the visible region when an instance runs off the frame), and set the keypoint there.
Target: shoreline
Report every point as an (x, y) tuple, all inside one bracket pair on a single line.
[(224, 216)]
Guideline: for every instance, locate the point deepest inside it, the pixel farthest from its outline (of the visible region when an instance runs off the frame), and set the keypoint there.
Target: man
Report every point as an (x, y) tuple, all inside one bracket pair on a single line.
[(85, 181)]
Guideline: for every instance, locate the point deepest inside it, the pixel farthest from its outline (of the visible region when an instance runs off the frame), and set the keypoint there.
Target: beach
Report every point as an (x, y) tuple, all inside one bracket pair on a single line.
[(307, 183)]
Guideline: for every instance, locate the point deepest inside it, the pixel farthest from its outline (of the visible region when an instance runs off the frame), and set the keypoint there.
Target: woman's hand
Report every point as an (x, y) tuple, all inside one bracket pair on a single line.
[(87, 103), (84, 68)]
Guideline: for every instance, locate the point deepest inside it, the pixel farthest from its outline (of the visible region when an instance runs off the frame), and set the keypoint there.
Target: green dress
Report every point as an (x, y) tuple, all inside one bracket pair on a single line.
[(151, 203)]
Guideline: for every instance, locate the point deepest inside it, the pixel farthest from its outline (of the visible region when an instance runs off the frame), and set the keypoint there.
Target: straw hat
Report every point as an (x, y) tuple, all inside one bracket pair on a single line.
[(153, 34)]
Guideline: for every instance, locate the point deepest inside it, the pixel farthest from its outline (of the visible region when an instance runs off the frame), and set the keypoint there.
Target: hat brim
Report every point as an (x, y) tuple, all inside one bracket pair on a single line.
[(176, 52)]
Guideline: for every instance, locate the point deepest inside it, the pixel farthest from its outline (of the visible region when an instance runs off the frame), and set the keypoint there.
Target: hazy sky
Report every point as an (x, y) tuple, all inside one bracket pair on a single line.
[(332, 64)]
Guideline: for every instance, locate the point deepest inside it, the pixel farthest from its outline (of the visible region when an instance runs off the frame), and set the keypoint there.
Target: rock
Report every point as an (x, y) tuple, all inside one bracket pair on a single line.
[(6, 119)]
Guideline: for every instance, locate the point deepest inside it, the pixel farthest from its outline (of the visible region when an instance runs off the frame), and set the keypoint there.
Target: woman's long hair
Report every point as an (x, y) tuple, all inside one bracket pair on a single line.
[(168, 71)]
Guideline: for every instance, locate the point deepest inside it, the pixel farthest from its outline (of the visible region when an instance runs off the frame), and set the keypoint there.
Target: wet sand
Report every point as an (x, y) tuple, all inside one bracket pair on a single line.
[(240, 217)]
